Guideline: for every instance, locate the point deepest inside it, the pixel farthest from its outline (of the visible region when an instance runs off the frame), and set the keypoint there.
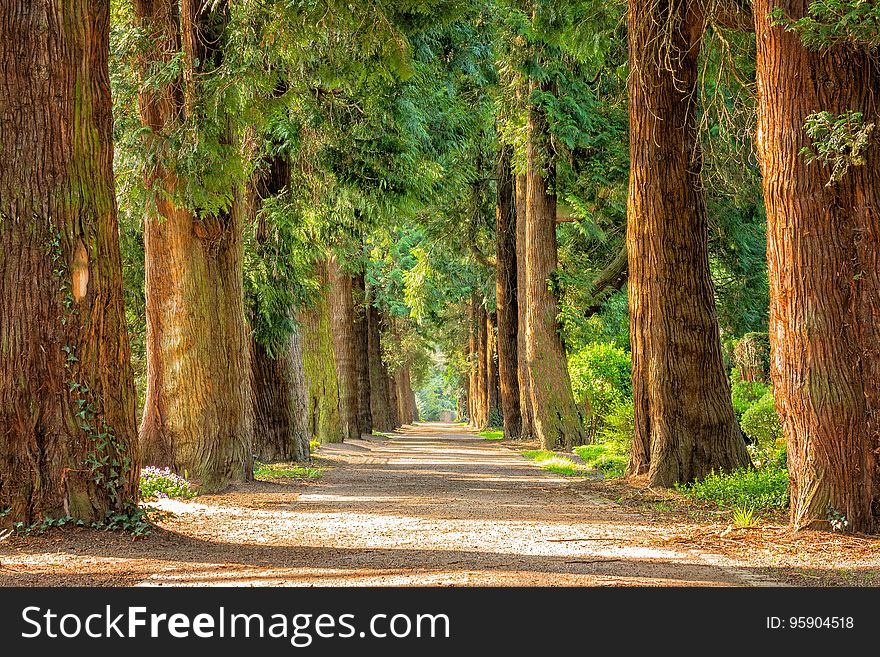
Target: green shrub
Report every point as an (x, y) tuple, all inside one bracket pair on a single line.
[(269, 471), (744, 394), (602, 374), (761, 422), (760, 489), (162, 483)]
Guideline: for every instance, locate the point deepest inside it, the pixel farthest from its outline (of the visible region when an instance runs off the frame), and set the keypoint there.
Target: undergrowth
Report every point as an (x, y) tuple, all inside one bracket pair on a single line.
[(557, 464), (269, 471)]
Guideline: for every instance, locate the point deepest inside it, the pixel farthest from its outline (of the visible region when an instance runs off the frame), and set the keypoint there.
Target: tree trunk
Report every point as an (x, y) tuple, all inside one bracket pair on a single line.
[(523, 376), (492, 387), (505, 298), (278, 389), (824, 272), (482, 342), (197, 413), (557, 423), (473, 388), (319, 365), (281, 421), (380, 399), (684, 421), (67, 400), (362, 352), (343, 326)]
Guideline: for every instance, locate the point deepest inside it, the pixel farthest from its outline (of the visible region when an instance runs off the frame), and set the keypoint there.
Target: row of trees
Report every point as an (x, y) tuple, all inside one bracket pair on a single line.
[(816, 70), (310, 194)]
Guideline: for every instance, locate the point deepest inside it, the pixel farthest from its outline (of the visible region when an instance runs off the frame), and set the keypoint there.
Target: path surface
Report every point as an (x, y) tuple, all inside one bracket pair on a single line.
[(432, 505)]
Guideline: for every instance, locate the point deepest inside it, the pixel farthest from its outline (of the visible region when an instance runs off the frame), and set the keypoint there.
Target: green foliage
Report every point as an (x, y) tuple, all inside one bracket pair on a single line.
[(744, 517), (601, 376), (557, 464), (835, 22), (761, 422), (839, 141), (492, 434), (759, 489), (745, 393), (270, 471), (135, 520), (162, 483)]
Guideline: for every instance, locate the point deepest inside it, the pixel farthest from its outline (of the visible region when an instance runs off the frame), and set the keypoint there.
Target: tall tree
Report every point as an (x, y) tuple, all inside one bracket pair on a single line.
[(362, 352), (523, 375), (67, 403), (823, 232), (197, 414), (342, 320), (505, 297), (319, 363), (557, 422), (278, 385), (380, 399), (684, 422)]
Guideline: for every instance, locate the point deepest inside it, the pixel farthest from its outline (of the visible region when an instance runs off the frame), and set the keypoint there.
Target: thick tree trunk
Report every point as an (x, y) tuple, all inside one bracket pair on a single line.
[(405, 396), (684, 421), (67, 401), (505, 298), (557, 423), (362, 352), (319, 365), (380, 399), (343, 326), (523, 376), (197, 414), (281, 420), (278, 389), (824, 267)]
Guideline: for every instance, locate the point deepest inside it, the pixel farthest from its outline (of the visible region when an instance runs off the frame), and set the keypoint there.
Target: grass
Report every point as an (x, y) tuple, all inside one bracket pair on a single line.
[(557, 464), (314, 446), (492, 434), (744, 517), (763, 489), (609, 458), (269, 471)]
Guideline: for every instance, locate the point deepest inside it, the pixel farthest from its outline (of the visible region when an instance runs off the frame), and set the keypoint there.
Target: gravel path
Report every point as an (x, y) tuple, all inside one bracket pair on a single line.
[(431, 505)]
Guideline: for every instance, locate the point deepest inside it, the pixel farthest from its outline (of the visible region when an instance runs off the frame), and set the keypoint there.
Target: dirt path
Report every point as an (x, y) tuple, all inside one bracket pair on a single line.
[(432, 505)]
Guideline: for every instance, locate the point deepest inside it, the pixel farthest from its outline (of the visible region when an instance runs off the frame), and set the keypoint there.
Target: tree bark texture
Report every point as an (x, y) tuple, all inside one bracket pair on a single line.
[(557, 422), (67, 400), (197, 414), (492, 384), (281, 419), (342, 320), (362, 352), (380, 399), (523, 375), (278, 387), (506, 298), (319, 364), (823, 257), (684, 422)]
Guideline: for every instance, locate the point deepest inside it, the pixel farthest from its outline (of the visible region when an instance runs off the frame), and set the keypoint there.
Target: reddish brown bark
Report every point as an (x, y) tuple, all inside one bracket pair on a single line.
[(492, 385), (343, 327), (523, 376), (506, 298), (380, 399), (197, 414), (67, 401), (362, 352), (684, 421), (557, 422), (824, 269)]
